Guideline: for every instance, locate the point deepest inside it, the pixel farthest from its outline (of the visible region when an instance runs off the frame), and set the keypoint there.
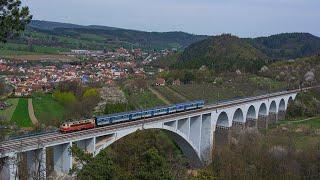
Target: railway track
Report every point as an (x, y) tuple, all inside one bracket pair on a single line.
[(44, 140)]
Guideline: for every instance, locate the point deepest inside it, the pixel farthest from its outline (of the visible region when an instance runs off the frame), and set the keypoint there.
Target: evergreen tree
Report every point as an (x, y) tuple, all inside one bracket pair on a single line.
[(13, 18)]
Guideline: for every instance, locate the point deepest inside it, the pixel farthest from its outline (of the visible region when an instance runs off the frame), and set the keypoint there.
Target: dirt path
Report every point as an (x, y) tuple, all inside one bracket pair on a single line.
[(31, 112), (176, 93), (303, 120), (298, 121), (155, 92)]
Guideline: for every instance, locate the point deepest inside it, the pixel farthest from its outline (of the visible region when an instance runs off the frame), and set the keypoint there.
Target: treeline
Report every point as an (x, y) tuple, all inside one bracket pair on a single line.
[(77, 99), (166, 62), (188, 76), (306, 105), (118, 107), (288, 45)]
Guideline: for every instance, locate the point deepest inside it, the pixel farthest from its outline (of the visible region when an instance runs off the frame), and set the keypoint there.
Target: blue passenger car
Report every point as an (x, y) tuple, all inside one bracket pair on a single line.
[(135, 115)]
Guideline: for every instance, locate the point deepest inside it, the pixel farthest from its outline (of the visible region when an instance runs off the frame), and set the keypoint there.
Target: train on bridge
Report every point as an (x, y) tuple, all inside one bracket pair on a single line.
[(106, 120)]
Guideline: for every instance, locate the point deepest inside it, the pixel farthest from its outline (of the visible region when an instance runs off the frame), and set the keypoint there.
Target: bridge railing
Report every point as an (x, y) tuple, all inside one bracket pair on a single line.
[(30, 134), (266, 93)]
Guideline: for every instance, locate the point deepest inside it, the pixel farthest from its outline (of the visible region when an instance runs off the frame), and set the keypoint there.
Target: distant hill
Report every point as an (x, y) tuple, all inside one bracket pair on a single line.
[(223, 53), (49, 25), (288, 45), (55, 34)]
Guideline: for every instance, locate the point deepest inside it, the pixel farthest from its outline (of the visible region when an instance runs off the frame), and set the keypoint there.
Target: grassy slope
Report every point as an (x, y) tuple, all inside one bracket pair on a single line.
[(168, 94), (245, 87), (10, 49), (46, 108), (312, 122), (21, 114), (7, 113), (301, 132), (144, 99)]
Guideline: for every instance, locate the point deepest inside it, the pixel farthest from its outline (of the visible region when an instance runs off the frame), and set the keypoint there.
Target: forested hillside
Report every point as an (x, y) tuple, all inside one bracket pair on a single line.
[(71, 36), (223, 53), (288, 45), (229, 53), (301, 71), (47, 25)]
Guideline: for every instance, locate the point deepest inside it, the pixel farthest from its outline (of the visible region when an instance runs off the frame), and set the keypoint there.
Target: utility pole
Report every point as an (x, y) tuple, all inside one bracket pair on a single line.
[(218, 98)]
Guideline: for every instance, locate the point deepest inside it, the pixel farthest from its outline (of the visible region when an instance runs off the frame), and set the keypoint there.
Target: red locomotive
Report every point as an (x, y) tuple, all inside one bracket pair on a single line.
[(77, 125)]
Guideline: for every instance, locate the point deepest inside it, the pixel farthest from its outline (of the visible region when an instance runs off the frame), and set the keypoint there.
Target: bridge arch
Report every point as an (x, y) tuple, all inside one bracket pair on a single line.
[(181, 139), (290, 100), (273, 107), (282, 105), (263, 110), (238, 116), (251, 114), (223, 120)]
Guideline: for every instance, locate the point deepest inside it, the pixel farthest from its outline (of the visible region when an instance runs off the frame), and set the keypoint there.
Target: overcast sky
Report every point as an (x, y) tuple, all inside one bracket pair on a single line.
[(245, 18)]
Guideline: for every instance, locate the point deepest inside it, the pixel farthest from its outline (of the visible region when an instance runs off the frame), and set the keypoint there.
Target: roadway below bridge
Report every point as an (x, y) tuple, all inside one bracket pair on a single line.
[(55, 138)]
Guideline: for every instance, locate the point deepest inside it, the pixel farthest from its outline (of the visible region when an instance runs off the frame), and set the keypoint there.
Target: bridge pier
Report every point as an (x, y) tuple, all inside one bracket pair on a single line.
[(62, 158), (251, 123), (281, 115), (36, 164), (238, 125), (195, 131), (272, 118), (87, 145), (10, 168), (236, 129), (184, 126), (262, 122), (222, 136), (206, 141)]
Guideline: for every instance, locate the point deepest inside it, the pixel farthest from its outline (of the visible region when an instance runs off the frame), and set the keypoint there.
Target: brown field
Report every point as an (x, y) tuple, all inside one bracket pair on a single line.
[(56, 57)]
